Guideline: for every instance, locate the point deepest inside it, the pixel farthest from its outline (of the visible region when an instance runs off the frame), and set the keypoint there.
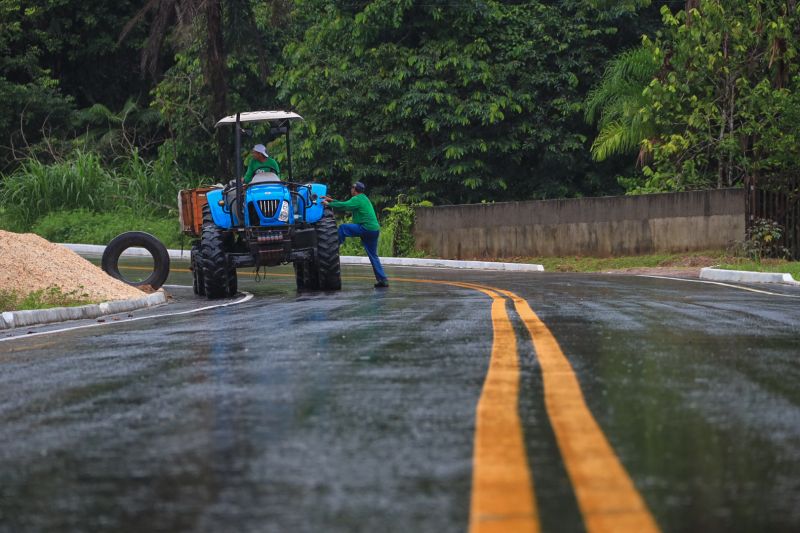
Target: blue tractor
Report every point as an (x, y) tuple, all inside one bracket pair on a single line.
[(265, 223)]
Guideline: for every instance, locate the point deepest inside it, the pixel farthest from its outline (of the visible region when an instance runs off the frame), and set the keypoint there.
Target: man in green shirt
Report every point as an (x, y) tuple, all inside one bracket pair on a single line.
[(260, 162), (364, 225)]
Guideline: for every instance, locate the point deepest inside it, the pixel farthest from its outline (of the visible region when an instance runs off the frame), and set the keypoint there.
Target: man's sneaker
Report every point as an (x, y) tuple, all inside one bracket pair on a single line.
[(382, 284)]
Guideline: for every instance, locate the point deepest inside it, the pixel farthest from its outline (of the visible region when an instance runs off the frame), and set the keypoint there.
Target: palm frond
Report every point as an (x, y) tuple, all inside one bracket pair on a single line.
[(627, 75), (615, 138)]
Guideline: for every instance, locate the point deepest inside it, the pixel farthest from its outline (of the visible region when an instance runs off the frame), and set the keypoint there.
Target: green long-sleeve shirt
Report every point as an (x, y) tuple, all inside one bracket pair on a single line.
[(363, 212), (270, 165)]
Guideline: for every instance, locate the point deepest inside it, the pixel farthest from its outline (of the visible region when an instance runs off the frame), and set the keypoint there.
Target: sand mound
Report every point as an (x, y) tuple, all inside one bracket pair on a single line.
[(29, 263)]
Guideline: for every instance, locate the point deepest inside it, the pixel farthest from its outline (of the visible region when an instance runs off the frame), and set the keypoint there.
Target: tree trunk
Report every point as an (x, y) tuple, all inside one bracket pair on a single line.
[(690, 4), (215, 73)]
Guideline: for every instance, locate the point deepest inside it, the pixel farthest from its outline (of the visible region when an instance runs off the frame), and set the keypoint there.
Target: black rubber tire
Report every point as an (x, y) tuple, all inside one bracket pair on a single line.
[(298, 275), (198, 282), (306, 276), (233, 282), (214, 244), (328, 266), (140, 239)]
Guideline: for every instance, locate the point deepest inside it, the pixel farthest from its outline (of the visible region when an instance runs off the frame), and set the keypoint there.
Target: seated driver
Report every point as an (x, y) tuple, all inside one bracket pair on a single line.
[(260, 162)]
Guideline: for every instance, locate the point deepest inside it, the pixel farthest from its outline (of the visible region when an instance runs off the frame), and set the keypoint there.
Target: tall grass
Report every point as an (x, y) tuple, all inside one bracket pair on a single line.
[(84, 182), (150, 186), (87, 227), (35, 188)]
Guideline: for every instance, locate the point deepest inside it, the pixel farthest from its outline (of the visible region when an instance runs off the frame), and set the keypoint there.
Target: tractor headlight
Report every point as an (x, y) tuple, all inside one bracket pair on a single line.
[(284, 216)]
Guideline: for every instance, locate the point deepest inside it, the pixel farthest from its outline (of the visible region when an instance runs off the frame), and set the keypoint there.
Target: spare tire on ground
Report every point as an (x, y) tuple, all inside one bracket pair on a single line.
[(137, 239)]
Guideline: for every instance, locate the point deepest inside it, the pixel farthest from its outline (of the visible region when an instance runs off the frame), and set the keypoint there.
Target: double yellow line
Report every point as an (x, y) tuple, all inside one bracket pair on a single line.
[(502, 488)]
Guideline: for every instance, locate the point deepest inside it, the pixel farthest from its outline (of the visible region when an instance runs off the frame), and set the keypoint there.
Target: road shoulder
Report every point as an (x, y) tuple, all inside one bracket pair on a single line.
[(16, 319)]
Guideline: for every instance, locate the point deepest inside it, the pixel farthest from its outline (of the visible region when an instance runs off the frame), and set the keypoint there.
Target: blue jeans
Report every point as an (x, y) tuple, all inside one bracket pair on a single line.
[(370, 241)]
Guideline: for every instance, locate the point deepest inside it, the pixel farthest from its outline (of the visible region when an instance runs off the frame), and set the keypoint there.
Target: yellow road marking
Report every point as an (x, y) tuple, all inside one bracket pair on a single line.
[(502, 485), (608, 500)]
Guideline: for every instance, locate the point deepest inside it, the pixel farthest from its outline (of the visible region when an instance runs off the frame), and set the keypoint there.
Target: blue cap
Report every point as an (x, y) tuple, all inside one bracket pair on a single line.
[(359, 186)]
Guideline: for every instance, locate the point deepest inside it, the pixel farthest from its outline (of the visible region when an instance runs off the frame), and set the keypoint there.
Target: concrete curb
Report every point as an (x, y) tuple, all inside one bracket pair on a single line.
[(97, 249), (718, 274), (16, 319), (444, 263), (93, 249)]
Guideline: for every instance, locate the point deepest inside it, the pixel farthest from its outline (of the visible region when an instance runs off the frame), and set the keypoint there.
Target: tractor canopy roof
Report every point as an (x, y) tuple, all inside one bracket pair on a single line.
[(259, 116)]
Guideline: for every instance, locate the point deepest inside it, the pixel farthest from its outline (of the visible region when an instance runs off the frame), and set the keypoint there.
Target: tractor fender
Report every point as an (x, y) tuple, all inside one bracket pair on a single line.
[(315, 212), (221, 218), (130, 239)]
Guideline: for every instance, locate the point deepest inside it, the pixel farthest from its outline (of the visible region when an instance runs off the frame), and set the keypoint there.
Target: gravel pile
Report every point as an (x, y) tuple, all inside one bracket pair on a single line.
[(29, 263)]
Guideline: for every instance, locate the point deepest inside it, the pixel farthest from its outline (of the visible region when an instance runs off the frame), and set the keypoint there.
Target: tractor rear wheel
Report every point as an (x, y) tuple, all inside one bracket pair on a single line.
[(219, 278), (306, 275), (327, 263)]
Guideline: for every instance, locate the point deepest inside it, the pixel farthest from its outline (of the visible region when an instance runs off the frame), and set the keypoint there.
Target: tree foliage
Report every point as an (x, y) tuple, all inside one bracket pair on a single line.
[(57, 56), (455, 102), (616, 105), (726, 101), (441, 100)]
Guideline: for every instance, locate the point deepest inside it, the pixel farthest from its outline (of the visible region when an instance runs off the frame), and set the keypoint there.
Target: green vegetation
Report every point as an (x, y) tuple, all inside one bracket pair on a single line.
[(456, 102), (396, 238), (36, 189), (711, 100), (87, 227), (763, 240), (110, 107), (50, 297), (616, 105), (82, 200)]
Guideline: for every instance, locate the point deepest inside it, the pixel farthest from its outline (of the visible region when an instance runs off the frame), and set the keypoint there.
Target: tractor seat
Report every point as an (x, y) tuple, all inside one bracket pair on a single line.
[(265, 177)]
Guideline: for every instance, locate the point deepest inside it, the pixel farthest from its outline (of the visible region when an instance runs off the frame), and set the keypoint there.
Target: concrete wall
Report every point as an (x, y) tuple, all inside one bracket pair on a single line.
[(621, 225)]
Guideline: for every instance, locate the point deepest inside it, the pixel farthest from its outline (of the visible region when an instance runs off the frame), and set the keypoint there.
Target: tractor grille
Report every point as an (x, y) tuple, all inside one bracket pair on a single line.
[(268, 207)]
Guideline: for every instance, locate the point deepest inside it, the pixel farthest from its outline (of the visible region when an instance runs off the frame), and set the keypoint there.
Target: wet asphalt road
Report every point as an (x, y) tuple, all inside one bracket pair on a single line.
[(355, 411)]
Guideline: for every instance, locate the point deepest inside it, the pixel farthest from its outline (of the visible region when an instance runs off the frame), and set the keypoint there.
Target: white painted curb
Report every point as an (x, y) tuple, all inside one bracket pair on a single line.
[(93, 249), (97, 249), (718, 274), (16, 319), (444, 263)]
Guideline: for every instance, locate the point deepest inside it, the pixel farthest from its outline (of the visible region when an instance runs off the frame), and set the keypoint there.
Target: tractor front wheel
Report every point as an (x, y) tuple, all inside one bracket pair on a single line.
[(327, 263)]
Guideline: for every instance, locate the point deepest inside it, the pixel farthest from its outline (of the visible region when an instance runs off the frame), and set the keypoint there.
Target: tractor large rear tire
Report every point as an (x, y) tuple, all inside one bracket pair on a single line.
[(328, 266), (214, 244)]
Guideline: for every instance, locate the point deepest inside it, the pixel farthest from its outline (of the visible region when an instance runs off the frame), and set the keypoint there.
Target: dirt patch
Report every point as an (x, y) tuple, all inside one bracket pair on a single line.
[(680, 267), (30, 263), (673, 272), (691, 261)]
